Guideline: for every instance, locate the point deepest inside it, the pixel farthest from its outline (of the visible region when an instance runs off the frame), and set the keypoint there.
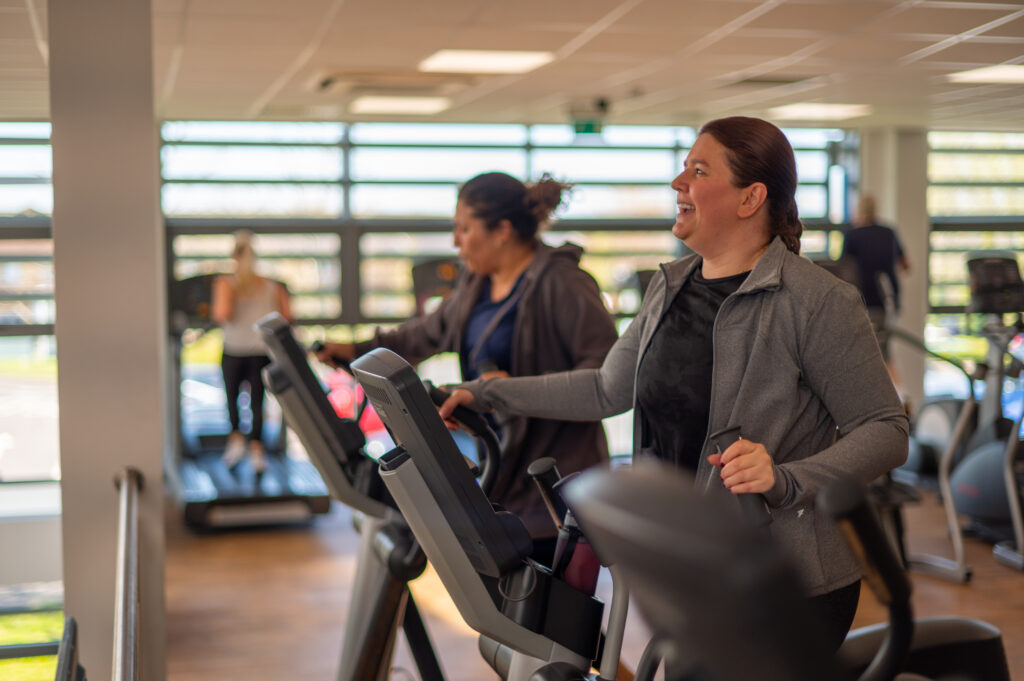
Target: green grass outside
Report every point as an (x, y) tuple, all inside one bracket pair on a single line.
[(29, 669), (31, 627), (204, 350), (43, 368), (35, 627)]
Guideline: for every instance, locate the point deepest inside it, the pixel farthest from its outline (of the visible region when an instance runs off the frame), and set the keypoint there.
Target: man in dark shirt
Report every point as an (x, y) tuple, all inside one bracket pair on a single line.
[(880, 257)]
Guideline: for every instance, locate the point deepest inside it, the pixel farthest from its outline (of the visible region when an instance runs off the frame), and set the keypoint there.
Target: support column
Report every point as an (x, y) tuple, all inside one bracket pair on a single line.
[(894, 169), (110, 311)]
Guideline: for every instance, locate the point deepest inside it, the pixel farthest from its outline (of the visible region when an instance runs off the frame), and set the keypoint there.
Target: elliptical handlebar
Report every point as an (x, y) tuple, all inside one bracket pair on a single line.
[(476, 425), (346, 366), (911, 339), (545, 473), (752, 505), (846, 502)]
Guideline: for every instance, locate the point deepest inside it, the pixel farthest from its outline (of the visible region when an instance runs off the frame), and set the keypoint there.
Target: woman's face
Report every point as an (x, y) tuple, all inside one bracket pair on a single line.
[(706, 197), (478, 246)]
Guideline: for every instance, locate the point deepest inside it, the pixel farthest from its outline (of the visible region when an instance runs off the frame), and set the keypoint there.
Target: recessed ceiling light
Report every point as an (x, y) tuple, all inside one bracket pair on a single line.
[(816, 111), (372, 104), (1001, 73), (484, 61)]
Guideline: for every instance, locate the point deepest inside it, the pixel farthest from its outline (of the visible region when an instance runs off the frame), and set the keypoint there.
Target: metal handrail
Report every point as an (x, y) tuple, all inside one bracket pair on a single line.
[(126, 597)]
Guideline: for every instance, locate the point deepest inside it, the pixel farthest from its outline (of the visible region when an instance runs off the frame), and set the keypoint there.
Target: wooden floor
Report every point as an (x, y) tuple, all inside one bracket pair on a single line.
[(271, 604)]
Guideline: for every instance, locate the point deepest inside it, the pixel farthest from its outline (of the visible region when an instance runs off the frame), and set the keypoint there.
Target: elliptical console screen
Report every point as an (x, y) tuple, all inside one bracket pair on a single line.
[(402, 402), (286, 352), (333, 444)]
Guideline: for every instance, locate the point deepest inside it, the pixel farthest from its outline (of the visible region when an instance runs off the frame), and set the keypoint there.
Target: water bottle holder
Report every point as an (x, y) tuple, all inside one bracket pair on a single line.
[(533, 598)]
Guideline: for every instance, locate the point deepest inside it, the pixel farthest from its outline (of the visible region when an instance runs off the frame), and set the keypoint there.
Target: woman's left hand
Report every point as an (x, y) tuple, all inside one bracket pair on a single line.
[(746, 467)]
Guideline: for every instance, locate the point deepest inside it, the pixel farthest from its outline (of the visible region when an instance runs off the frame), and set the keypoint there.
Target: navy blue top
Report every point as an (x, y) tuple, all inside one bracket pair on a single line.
[(876, 249), (495, 351)]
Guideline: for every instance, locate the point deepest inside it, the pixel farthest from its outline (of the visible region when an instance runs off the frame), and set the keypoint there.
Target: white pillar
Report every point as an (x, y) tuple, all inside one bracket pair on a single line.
[(110, 311), (894, 169)]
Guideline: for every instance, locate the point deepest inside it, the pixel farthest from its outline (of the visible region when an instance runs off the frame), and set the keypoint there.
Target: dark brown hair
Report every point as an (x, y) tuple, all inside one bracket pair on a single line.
[(759, 152), (496, 196)]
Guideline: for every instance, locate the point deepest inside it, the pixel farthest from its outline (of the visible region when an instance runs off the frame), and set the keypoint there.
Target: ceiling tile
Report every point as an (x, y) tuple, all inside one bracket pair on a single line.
[(977, 53), (494, 38), (872, 49), (938, 20), (21, 56), (258, 30), (250, 8), (761, 48), (827, 17), (450, 14), (580, 13), (1011, 29), (15, 25), (645, 44), (684, 15)]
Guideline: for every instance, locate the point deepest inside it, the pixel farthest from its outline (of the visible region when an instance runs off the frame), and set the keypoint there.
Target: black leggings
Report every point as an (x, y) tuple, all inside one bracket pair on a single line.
[(834, 612), (245, 369)]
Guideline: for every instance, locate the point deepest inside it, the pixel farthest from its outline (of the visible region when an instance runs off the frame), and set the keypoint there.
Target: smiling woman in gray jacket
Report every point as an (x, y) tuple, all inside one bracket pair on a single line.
[(744, 334)]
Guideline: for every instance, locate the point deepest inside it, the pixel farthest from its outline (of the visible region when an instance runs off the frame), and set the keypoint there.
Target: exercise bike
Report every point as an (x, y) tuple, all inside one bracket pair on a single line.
[(986, 486), (966, 450)]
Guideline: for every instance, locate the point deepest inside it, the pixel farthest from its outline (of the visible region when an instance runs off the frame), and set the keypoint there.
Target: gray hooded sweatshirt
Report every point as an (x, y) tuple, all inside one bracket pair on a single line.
[(796, 367)]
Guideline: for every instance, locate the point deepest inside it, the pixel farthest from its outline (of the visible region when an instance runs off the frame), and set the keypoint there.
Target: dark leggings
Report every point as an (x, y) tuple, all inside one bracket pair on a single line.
[(245, 369), (834, 612)]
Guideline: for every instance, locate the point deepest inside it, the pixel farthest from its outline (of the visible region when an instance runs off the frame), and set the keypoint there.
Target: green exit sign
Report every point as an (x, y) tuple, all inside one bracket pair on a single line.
[(586, 126)]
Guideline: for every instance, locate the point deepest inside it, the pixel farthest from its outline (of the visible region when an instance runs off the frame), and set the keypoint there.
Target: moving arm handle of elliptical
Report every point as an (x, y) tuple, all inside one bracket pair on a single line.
[(752, 505), (846, 502), (476, 425), (340, 362), (546, 475)]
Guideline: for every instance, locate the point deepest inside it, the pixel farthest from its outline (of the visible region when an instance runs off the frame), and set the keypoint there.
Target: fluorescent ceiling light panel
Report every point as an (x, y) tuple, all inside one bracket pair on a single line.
[(1001, 73), (814, 111), (371, 104), (484, 61)]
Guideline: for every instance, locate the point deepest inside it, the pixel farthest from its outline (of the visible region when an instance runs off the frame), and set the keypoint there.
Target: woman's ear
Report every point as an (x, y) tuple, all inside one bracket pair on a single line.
[(505, 231), (753, 198)]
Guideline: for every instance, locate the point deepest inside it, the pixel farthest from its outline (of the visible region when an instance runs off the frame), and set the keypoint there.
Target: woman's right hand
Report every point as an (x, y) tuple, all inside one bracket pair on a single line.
[(460, 397), (331, 351)]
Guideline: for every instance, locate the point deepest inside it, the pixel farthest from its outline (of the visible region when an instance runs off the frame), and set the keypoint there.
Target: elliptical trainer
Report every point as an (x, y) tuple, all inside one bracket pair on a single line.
[(986, 485)]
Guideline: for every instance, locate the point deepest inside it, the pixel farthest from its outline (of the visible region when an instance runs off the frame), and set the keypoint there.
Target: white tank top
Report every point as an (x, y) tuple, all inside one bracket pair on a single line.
[(240, 335)]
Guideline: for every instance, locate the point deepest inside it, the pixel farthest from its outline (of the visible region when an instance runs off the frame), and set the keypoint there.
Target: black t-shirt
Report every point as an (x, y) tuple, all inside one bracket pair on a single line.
[(674, 379)]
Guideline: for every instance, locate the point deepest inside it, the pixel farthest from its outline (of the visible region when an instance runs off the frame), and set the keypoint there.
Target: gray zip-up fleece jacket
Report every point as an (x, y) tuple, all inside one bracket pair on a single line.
[(796, 367), (561, 324)]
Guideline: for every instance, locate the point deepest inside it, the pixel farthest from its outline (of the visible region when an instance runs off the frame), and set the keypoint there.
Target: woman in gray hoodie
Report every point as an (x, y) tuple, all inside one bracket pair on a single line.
[(744, 334)]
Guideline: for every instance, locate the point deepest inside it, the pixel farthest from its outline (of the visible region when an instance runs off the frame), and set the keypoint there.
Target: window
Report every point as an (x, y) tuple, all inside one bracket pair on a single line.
[(976, 202), (28, 367)]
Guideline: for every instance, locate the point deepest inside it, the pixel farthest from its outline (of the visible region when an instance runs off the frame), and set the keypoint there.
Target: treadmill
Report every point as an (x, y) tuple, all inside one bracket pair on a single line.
[(212, 495)]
